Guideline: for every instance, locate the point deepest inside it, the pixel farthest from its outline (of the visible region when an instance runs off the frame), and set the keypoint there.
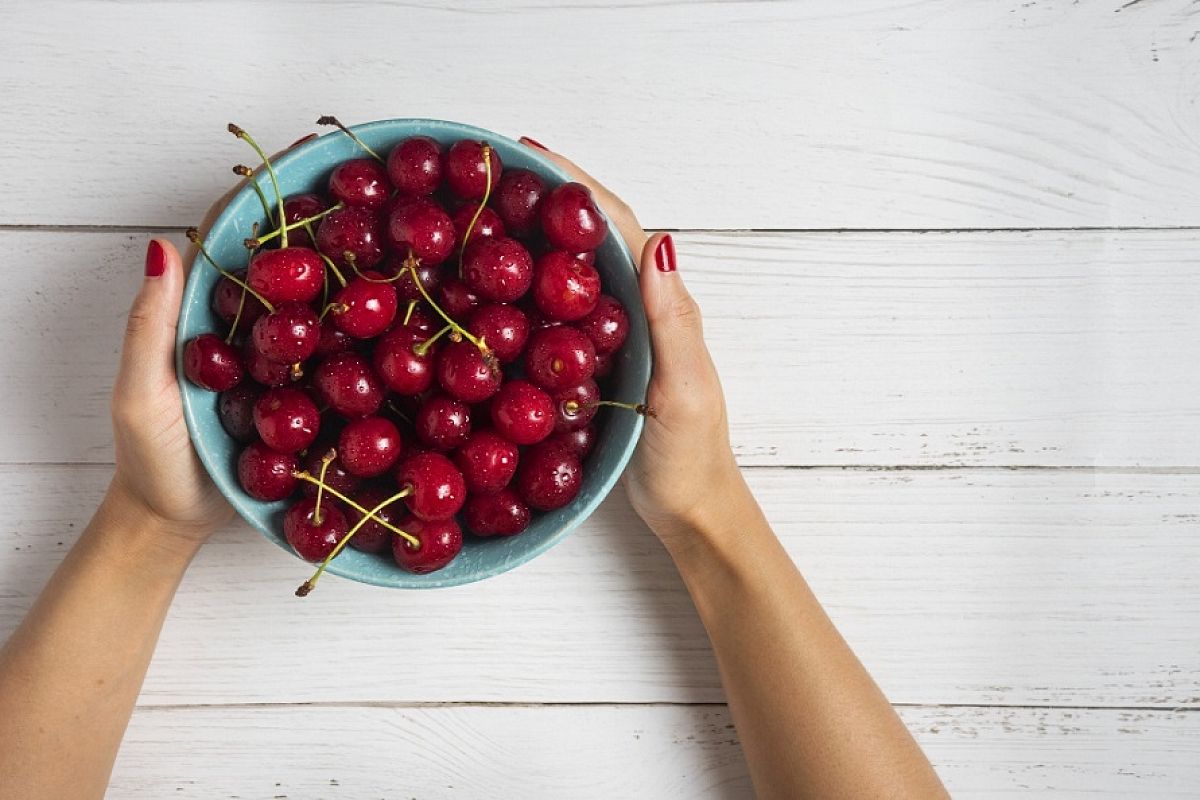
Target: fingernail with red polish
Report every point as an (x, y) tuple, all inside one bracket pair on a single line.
[(664, 255), (535, 143), (302, 140), (156, 259)]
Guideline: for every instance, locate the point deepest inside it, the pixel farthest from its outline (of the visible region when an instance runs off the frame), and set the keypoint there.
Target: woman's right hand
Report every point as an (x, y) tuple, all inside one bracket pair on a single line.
[(683, 472)]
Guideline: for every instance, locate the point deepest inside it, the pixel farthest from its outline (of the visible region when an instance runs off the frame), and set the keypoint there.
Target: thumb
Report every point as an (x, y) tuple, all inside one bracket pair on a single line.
[(676, 332), (147, 356)]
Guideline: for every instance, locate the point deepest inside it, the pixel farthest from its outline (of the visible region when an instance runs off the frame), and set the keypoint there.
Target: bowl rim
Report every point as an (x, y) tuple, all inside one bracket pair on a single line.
[(234, 494)]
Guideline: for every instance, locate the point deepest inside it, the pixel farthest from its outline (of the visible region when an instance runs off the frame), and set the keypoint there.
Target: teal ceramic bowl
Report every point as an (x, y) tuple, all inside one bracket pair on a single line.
[(305, 169)]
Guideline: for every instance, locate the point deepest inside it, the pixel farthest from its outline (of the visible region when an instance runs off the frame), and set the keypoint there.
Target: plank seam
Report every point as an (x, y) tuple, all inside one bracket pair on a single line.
[(650, 704)]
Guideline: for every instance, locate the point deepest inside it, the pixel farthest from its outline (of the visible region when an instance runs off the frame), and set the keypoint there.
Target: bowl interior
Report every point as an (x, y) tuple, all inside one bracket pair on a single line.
[(305, 169)]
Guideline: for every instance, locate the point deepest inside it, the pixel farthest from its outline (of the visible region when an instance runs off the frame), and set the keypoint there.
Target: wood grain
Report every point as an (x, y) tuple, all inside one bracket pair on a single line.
[(658, 752), (1042, 349), (965, 587), (816, 114)]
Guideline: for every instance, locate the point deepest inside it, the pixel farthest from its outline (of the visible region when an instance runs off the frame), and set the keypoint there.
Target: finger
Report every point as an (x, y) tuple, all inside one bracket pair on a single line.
[(676, 331), (614, 208), (147, 356)]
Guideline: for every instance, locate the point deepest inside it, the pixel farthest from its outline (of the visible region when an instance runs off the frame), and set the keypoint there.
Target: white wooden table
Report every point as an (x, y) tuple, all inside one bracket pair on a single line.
[(949, 257)]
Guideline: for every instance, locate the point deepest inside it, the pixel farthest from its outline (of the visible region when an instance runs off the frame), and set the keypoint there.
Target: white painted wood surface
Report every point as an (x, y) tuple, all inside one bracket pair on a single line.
[(654, 752), (1023, 581), (996, 587), (1046, 349), (805, 114)]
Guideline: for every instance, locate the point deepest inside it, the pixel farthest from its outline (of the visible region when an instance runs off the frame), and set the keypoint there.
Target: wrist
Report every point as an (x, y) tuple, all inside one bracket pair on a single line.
[(133, 537)]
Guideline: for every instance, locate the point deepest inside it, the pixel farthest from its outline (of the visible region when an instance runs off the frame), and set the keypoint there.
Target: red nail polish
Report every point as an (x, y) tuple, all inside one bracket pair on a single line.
[(302, 140), (156, 259), (535, 143), (664, 254)]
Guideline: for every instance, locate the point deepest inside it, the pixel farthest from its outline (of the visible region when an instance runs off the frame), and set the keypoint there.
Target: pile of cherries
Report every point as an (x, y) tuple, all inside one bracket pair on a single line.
[(416, 349)]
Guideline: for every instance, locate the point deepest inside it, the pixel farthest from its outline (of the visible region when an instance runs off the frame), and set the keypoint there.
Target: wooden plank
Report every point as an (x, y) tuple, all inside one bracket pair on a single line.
[(819, 114), (618, 751), (965, 348), (966, 587)]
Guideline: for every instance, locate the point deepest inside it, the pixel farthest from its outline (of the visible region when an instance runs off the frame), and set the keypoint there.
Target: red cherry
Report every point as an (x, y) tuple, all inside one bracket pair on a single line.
[(346, 382), (415, 166), (264, 370), (498, 269), (548, 477), (586, 256), (503, 328), (522, 413), (298, 207), (235, 408), (578, 442), (360, 182), (286, 419), (420, 225), (558, 357), (373, 537), (291, 274), (331, 341), (604, 365), (575, 406), (266, 474), (440, 542), (421, 321), (517, 197), (570, 218), (464, 374), (442, 422), (406, 289), (212, 364), (438, 490), (313, 540), (457, 299), (466, 173), (499, 514), (355, 230), (488, 226), (226, 298), (336, 476), (487, 461), (288, 334), (564, 287), (369, 446), (369, 305), (402, 369), (607, 325)]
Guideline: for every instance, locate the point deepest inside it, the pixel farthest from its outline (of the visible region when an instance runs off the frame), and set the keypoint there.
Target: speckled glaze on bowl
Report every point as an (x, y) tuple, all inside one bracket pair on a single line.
[(305, 169)]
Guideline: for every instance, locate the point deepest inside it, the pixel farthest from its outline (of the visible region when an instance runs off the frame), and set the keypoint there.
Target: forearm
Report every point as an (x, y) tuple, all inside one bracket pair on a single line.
[(811, 720), (70, 674)]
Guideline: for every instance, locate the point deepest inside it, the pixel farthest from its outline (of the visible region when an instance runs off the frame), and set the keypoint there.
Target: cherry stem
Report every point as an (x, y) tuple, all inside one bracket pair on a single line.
[(337, 273), (304, 476), (331, 120), (487, 193), (193, 236), (241, 134), (258, 241), (311, 583), (297, 371), (326, 460), (236, 318), (572, 406), (411, 265), (411, 305), (422, 348), (336, 308), (398, 412), (246, 172), (354, 266)]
